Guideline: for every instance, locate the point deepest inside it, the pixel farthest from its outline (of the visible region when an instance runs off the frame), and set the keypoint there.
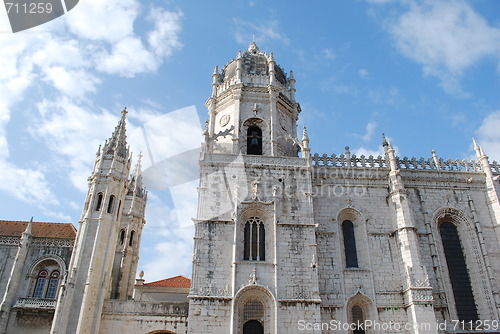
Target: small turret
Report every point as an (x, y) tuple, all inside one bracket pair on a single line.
[(215, 81), (305, 144)]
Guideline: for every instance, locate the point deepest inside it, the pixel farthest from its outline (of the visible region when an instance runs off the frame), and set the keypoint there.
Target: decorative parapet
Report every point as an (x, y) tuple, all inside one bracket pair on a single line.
[(35, 303), (53, 242), (46, 242), (235, 160), (4, 240), (147, 308), (405, 163), (348, 161)]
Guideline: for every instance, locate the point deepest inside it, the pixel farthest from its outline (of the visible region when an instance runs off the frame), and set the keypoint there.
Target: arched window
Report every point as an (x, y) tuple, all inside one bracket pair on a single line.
[(99, 202), (351, 256), (45, 279), (122, 237), (459, 275), (254, 140), (53, 282), (110, 203), (358, 320), (41, 280), (254, 244), (131, 241)]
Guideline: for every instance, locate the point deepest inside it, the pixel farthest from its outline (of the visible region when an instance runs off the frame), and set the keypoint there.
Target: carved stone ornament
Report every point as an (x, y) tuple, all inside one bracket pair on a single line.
[(224, 120)]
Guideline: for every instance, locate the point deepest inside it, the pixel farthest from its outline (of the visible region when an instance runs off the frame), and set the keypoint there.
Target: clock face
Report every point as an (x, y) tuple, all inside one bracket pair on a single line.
[(224, 120)]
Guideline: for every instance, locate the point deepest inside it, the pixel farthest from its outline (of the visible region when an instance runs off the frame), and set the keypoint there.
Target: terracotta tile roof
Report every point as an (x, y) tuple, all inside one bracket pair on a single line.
[(39, 229), (177, 281)]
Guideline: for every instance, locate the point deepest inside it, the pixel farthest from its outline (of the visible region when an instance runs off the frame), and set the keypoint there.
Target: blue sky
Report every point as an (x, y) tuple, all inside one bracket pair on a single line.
[(426, 73)]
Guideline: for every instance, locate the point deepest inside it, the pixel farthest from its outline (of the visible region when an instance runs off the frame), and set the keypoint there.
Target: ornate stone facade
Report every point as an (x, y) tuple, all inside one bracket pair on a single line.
[(345, 238)]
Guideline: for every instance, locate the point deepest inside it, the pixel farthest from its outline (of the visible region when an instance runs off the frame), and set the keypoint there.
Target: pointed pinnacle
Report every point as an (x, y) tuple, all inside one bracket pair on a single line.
[(304, 134), (384, 140), (29, 227)]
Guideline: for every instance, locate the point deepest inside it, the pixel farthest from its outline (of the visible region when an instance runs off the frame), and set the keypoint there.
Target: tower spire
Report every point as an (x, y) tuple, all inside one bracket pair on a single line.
[(117, 143)]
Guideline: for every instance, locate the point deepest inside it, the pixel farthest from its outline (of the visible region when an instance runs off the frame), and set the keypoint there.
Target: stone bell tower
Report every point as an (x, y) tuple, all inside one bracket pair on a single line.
[(254, 260), (252, 109), (105, 254)]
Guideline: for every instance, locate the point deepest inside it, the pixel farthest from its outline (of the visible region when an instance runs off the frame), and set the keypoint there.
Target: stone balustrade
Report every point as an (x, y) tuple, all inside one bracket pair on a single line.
[(405, 163), (36, 303)]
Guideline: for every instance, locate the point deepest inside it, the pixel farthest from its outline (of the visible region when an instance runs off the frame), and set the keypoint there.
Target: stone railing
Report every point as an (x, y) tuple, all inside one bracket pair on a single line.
[(353, 161), (429, 164), (145, 308), (349, 161), (36, 303)]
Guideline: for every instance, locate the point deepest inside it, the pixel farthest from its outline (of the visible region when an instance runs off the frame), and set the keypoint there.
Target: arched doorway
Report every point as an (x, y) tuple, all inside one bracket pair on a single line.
[(253, 327)]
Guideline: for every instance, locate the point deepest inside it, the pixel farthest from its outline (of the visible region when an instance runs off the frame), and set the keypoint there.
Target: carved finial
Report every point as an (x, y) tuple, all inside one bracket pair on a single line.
[(216, 71), (255, 190), (435, 159), (29, 227), (253, 48), (291, 75), (253, 277), (304, 134), (271, 57), (384, 141), (124, 111), (478, 149), (239, 55), (255, 109), (313, 261), (141, 274)]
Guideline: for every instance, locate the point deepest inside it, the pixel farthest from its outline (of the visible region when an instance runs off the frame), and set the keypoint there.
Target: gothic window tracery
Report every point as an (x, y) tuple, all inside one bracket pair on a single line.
[(40, 284), (458, 273), (53, 282), (350, 252), (254, 248), (46, 285)]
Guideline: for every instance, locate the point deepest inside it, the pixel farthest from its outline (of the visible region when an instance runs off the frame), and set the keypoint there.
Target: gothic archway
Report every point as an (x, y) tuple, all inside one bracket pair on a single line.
[(253, 327), (254, 310)]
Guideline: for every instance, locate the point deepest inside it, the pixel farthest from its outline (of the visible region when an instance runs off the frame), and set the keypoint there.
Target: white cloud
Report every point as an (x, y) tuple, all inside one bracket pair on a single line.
[(109, 21), (363, 73), (370, 129), (71, 83), (367, 152), (176, 242), (328, 53), (446, 37), (264, 31), (65, 54), (129, 56), (488, 136), (28, 185), (164, 38)]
